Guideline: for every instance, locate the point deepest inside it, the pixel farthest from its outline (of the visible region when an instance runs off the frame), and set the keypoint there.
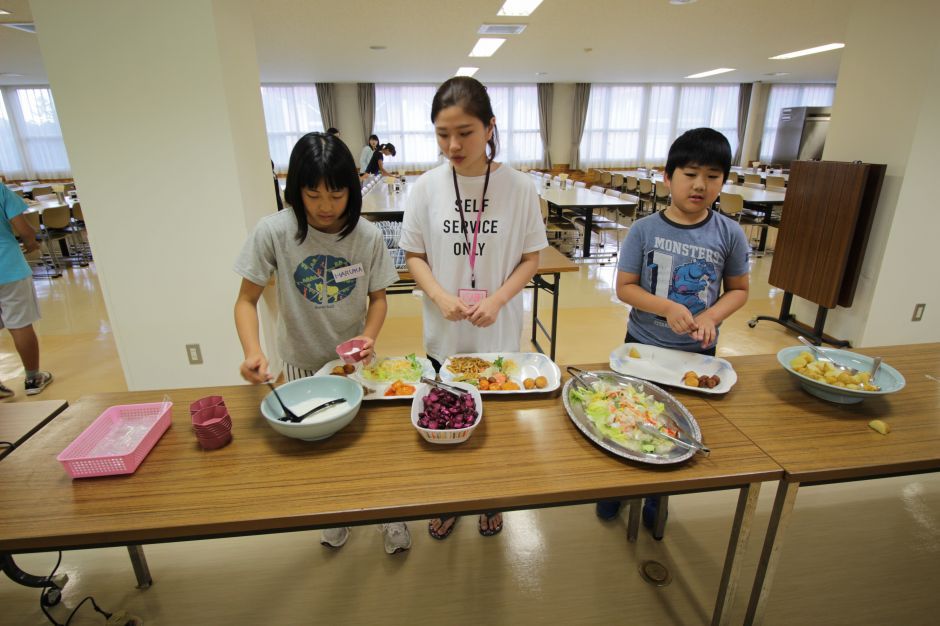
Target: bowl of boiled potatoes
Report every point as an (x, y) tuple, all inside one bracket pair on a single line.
[(825, 380)]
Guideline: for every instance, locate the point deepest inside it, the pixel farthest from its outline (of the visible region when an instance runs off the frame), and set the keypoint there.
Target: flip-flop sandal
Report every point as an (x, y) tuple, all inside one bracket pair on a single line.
[(489, 532), (441, 536)]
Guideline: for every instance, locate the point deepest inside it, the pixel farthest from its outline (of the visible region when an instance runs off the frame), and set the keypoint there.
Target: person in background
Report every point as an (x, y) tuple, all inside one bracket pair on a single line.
[(19, 308), (304, 247), (333, 131), (377, 162), (367, 151), (674, 264), (472, 232)]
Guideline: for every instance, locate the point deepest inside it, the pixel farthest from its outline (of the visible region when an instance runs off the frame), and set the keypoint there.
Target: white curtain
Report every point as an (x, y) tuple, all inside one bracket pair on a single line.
[(783, 96), (31, 144), (290, 112), (516, 108), (403, 118), (629, 125)]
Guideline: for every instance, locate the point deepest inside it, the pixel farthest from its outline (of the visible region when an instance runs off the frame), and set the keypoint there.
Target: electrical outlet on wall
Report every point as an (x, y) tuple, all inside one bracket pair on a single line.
[(194, 352), (918, 312)]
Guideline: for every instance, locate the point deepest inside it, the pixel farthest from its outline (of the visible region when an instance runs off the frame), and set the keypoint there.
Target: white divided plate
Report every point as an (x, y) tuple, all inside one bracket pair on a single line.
[(531, 365), (665, 366), (376, 390)]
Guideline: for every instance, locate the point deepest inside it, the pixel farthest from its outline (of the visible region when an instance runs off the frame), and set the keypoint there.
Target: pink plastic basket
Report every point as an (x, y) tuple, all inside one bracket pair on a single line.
[(117, 441)]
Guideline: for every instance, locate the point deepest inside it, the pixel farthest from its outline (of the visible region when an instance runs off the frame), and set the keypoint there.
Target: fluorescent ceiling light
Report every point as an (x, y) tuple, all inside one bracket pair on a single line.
[(519, 7), (5, 12), (803, 53), (720, 70), (486, 47), (466, 71), (26, 27), (501, 29)]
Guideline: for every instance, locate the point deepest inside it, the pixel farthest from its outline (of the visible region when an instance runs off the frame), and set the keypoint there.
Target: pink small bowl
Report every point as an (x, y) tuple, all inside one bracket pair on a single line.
[(205, 403), (211, 416), (214, 443), (350, 351)]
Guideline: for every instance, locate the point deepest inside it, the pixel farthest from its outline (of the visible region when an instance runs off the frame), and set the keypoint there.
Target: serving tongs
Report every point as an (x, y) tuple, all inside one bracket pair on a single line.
[(444, 386), (821, 355), (691, 444)]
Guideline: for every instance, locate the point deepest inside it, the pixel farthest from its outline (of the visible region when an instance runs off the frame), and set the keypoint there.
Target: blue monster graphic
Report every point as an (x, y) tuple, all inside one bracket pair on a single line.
[(314, 279), (689, 282)]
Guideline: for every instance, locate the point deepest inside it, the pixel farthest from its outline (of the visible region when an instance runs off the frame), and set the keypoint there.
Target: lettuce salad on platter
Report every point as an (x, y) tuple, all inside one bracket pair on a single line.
[(389, 369), (617, 410)]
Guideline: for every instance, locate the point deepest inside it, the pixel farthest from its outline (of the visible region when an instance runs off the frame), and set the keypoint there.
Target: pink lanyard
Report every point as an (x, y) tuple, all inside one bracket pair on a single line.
[(476, 230)]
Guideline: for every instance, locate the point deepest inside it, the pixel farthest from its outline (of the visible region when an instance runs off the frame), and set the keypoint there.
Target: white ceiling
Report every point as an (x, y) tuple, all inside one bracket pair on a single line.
[(631, 40)]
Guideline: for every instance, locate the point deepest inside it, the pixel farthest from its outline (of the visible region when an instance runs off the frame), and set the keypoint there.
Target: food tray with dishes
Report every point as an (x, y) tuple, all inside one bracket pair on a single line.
[(502, 373), (385, 378), (828, 382), (675, 368), (609, 408), (117, 441)]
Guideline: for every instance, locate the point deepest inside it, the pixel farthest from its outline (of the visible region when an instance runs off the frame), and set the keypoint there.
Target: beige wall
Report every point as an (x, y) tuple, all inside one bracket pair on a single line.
[(166, 140), (886, 111)]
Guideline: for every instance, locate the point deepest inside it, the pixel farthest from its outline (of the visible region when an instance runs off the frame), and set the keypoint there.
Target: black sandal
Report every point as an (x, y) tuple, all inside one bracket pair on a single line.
[(489, 532), (441, 536)]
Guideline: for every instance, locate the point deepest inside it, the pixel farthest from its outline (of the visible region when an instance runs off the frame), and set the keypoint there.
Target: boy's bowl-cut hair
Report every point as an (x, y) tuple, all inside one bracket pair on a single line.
[(318, 157), (705, 147)]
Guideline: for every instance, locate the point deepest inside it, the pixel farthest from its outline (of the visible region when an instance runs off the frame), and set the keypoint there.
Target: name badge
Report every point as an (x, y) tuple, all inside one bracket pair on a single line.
[(472, 296), (348, 273)]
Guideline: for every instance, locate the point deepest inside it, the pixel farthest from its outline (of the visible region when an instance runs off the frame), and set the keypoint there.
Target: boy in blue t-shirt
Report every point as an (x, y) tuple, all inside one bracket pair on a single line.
[(18, 305), (673, 264)]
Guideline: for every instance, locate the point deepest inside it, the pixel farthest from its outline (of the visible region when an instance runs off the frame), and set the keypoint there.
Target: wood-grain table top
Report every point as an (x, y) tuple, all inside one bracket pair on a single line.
[(525, 453), (819, 441), (19, 420)]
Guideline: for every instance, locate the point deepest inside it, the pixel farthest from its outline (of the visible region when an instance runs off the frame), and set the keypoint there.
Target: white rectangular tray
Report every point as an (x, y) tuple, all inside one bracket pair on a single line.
[(531, 365), (665, 366), (375, 390)]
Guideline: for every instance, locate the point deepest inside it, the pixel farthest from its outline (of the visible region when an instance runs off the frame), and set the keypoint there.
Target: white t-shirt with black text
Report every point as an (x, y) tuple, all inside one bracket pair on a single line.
[(510, 226)]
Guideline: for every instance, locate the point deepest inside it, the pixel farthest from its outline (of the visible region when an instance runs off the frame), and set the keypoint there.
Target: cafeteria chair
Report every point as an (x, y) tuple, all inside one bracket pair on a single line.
[(645, 192), (606, 177), (753, 185), (732, 178), (661, 195), (40, 259), (44, 190), (774, 188), (631, 185), (80, 233), (562, 233), (776, 181), (616, 182), (752, 178), (732, 205), (581, 184), (56, 226), (598, 188)]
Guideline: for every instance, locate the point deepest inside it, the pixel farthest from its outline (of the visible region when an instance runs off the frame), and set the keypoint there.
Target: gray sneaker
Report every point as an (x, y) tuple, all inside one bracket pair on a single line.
[(397, 537), (334, 537), (37, 383)]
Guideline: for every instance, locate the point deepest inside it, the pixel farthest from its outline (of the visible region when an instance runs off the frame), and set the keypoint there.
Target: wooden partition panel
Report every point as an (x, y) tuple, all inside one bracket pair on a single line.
[(824, 229)]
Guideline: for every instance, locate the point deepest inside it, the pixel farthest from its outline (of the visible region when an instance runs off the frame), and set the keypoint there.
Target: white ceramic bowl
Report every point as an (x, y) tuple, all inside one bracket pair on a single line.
[(446, 436), (889, 379), (304, 394)]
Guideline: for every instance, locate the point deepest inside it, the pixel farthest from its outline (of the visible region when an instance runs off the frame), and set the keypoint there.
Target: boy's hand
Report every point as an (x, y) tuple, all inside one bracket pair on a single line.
[(706, 331), (254, 369), (485, 312), (680, 319), (30, 245), (452, 307), (366, 352)]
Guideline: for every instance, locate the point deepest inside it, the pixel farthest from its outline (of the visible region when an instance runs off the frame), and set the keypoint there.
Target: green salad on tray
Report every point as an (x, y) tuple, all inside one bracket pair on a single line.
[(386, 370), (617, 410)]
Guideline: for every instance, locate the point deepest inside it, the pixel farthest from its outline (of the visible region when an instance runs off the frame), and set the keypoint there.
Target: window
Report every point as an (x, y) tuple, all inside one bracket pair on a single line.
[(516, 108), (630, 125), (403, 118), (783, 96), (31, 144), (290, 112)]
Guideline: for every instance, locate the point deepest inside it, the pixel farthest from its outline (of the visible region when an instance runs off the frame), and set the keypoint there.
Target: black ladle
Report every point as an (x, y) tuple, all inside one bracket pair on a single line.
[(289, 415)]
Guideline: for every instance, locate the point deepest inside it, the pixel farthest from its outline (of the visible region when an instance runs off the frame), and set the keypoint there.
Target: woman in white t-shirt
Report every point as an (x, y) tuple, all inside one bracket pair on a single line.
[(471, 234)]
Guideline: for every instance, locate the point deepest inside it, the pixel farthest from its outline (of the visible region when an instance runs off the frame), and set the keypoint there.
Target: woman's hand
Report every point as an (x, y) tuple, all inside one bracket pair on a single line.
[(485, 312), (680, 319), (452, 307), (254, 369)]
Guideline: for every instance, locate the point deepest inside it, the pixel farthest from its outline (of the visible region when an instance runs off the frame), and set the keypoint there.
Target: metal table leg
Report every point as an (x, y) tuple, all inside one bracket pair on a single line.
[(588, 225), (633, 518), (141, 570), (740, 531), (767, 566), (539, 282)]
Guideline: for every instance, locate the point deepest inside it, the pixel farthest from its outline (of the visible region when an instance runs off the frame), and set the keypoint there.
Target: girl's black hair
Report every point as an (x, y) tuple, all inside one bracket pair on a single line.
[(387, 146), (376, 137), (705, 147), (317, 158), (470, 95)]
